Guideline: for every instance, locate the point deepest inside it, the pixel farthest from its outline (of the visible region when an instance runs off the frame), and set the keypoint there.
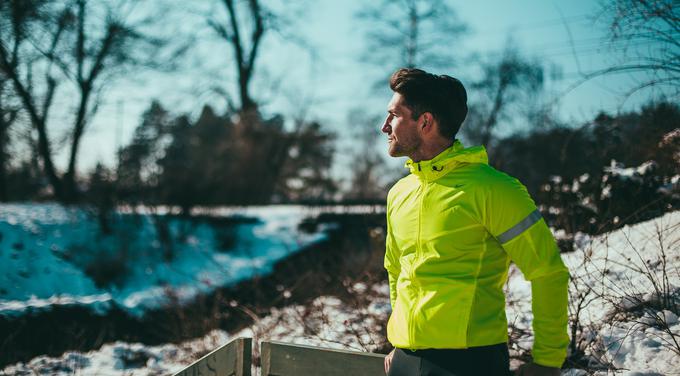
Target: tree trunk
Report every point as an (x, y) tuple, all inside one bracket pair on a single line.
[(247, 103), (43, 141), (493, 116), (3, 161), (245, 62), (412, 44), (70, 187)]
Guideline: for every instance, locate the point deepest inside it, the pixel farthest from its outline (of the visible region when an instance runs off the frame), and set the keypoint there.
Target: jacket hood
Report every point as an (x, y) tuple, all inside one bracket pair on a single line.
[(447, 160)]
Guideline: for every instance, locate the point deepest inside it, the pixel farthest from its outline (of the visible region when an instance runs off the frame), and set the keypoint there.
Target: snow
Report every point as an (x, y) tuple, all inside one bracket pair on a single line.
[(120, 358), (618, 277), (671, 187), (633, 173), (329, 322), (46, 250), (326, 322), (612, 275)]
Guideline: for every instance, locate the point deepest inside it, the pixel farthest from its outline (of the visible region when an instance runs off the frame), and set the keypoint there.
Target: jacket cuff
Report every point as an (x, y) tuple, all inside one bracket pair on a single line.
[(550, 358)]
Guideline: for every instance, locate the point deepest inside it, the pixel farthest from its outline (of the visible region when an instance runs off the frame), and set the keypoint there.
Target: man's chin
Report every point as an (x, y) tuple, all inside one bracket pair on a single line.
[(395, 151)]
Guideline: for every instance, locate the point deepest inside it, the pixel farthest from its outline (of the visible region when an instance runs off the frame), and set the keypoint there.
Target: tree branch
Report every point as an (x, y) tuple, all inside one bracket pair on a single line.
[(80, 41), (258, 31), (235, 36)]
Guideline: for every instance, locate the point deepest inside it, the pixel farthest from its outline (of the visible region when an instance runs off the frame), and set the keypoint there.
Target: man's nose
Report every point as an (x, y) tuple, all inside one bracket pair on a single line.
[(386, 128)]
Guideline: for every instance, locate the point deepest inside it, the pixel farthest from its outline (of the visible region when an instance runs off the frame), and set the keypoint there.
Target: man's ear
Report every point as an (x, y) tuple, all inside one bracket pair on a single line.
[(427, 123)]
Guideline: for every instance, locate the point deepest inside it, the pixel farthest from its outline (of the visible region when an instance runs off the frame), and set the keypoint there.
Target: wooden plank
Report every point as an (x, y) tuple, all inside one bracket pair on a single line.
[(232, 359), (283, 359)]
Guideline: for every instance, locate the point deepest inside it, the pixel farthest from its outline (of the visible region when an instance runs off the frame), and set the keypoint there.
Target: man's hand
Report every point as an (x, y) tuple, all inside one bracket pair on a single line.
[(533, 369), (388, 361)]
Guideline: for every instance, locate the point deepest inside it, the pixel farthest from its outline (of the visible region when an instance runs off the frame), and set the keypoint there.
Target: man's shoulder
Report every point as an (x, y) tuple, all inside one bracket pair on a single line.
[(482, 175), (487, 180)]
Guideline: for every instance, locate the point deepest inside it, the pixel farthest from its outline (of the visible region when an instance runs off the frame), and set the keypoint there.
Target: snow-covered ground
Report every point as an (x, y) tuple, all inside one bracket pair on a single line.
[(623, 327), (618, 280), (49, 255)]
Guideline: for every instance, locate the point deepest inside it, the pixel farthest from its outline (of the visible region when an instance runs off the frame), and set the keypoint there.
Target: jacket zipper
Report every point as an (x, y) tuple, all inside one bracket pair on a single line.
[(416, 258)]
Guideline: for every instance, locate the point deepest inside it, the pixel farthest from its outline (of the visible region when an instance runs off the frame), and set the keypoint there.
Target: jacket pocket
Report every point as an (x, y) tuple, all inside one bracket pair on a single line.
[(397, 326), (441, 318)]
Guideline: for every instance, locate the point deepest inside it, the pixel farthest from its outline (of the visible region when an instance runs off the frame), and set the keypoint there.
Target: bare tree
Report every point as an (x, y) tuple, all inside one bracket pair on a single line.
[(649, 32), (505, 82), (44, 44), (411, 33), (18, 20), (368, 167), (245, 48), (9, 112)]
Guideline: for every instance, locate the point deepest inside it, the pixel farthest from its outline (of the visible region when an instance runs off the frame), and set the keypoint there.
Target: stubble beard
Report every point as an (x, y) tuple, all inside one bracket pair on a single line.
[(402, 149)]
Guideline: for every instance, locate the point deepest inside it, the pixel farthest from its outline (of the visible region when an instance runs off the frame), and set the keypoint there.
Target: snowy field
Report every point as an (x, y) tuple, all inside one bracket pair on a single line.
[(622, 285), (619, 283), (50, 255)]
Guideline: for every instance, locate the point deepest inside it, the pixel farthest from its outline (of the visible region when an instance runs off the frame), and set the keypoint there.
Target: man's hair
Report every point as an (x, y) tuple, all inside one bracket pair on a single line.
[(443, 96)]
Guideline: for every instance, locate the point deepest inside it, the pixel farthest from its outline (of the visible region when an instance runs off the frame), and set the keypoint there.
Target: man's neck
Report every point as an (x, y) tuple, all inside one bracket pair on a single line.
[(431, 150)]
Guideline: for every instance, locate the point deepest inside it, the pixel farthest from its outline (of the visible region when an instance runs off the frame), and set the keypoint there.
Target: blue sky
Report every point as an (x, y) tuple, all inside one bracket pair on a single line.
[(327, 86)]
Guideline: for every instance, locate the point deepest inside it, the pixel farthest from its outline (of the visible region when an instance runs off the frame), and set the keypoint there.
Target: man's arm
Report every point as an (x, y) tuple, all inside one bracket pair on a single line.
[(392, 264), (514, 220), (393, 267), (536, 254), (549, 302)]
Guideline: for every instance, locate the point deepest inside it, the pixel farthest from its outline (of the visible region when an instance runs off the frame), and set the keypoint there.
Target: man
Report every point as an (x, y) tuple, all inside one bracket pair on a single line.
[(453, 226)]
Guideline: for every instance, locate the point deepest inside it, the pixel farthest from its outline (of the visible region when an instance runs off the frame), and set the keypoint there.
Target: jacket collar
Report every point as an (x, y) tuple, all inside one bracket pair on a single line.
[(447, 160)]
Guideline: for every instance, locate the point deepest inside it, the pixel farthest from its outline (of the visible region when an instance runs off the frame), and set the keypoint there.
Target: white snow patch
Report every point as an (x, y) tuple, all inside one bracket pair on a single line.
[(121, 358), (614, 274), (326, 322), (46, 250)]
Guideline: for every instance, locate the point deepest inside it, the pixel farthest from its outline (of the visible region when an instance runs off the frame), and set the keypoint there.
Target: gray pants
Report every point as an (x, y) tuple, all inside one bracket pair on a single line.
[(485, 360)]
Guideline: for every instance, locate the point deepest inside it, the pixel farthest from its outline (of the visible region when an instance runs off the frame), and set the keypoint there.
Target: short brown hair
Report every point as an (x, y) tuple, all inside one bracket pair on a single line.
[(443, 96)]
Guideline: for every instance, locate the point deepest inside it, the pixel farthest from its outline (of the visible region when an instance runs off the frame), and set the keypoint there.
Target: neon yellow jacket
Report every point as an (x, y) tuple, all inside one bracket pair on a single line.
[(453, 225)]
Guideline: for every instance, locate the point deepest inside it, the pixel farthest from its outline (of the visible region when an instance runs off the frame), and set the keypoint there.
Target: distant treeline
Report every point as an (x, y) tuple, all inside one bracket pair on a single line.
[(578, 174), (59, 61), (219, 160)]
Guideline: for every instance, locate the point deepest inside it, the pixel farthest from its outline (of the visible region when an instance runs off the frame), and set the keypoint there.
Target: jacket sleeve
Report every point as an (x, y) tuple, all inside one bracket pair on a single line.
[(513, 219), (391, 263)]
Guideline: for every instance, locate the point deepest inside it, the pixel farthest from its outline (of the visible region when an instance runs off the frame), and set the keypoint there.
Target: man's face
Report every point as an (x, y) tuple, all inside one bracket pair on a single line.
[(402, 131)]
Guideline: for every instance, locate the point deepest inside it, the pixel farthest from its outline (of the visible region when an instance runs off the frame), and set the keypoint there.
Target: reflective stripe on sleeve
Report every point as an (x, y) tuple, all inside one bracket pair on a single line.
[(519, 228)]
